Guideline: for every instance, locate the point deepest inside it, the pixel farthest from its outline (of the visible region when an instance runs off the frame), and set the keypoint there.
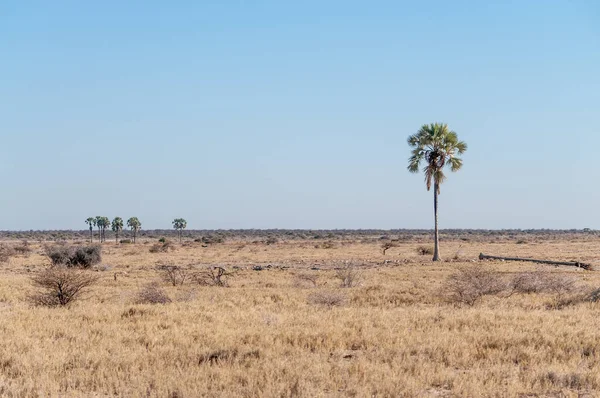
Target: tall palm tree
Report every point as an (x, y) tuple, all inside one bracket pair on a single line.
[(102, 223), (179, 224), (117, 227), (91, 221), (135, 226), (436, 146)]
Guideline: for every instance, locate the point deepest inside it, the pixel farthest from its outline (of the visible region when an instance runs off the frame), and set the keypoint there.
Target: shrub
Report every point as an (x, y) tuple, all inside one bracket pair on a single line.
[(541, 282), (349, 276), (80, 256), (6, 252), (60, 286), (151, 294), (386, 246), (425, 250), (86, 256), (174, 275), (302, 280), (594, 296), (216, 276), (126, 241), (328, 298), (162, 247), (163, 240), (468, 285), (22, 249)]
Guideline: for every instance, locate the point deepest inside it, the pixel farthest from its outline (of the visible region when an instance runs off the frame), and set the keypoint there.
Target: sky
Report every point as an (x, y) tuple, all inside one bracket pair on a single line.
[(281, 114)]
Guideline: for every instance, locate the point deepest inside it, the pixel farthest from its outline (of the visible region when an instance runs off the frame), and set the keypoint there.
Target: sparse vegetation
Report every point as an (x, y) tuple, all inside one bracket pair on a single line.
[(401, 309)]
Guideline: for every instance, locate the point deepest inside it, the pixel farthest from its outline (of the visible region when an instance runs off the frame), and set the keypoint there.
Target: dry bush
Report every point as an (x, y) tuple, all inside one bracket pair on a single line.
[(216, 276), (425, 250), (23, 249), (594, 296), (151, 294), (80, 256), (162, 247), (6, 252), (328, 298), (387, 245), (60, 286), (468, 285), (306, 280), (174, 274), (541, 282), (349, 276)]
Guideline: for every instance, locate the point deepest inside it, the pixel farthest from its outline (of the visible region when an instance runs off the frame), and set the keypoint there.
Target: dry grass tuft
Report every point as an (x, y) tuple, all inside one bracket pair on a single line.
[(328, 298)]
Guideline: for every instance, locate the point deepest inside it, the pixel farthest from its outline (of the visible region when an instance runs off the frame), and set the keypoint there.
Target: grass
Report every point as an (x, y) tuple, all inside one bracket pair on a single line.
[(395, 334)]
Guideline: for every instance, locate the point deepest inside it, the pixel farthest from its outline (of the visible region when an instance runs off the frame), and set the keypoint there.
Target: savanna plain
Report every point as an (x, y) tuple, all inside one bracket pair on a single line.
[(311, 316)]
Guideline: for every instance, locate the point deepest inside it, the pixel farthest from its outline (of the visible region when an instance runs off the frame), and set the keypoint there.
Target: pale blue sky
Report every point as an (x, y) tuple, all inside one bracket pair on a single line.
[(280, 114)]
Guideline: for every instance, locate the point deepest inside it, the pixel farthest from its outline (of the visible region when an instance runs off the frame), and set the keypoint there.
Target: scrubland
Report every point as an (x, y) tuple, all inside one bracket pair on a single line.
[(292, 330)]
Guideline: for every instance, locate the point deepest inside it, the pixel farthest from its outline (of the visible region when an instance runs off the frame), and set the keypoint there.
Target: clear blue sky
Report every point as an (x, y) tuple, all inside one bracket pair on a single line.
[(280, 114)]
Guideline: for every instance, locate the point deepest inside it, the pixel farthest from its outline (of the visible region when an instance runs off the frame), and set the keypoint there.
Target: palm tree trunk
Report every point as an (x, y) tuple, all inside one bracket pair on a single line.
[(91, 235), (436, 249)]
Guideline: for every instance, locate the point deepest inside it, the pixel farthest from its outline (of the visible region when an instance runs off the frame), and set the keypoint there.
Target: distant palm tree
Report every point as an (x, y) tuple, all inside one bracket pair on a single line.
[(135, 226), (179, 224), (102, 223), (117, 227), (436, 146), (91, 221)]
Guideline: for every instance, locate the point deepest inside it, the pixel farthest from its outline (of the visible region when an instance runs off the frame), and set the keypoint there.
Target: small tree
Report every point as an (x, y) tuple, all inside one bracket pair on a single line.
[(117, 227), (135, 225), (91, 221), (179, 224), (60, 286)]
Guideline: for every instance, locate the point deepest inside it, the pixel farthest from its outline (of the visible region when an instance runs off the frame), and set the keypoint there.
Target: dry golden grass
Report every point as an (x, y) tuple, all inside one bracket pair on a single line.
[(393, 335)]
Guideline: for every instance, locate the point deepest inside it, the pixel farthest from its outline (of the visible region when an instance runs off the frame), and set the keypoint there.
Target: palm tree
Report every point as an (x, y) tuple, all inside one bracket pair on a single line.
[(91, 221), (436, 146), (135, 226), (102, 223), (179, 224), (117, 227)]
